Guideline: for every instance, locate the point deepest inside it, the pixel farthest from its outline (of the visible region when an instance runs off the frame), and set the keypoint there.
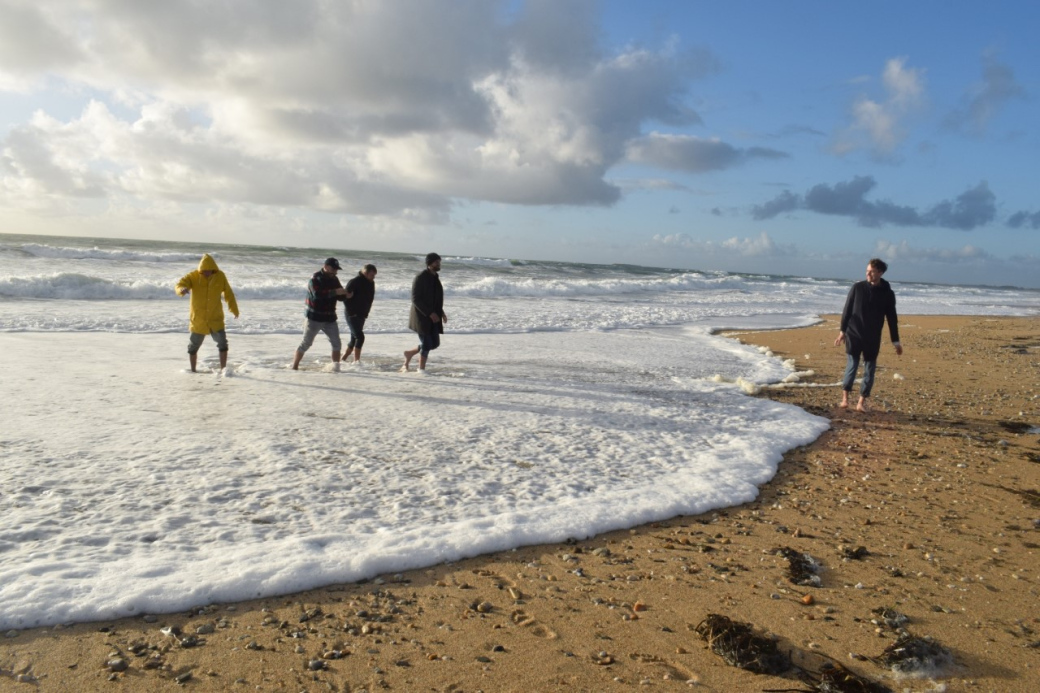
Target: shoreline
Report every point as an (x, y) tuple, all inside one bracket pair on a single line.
[(936, 484)]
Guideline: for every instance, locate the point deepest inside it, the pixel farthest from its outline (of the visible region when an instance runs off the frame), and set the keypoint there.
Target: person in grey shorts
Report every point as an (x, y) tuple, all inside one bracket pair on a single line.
[(323, 290)]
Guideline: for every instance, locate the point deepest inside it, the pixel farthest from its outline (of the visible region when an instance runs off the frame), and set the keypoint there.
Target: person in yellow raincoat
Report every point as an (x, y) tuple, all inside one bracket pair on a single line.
[(206, 285)]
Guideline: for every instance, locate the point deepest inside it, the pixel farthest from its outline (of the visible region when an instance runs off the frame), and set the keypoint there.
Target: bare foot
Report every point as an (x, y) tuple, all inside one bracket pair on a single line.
[(862, 405), (844, 402), (408, 359)]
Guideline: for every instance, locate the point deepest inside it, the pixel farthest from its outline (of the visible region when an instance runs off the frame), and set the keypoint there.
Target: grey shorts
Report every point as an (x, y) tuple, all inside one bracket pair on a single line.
[(311, 328), (195, 341)]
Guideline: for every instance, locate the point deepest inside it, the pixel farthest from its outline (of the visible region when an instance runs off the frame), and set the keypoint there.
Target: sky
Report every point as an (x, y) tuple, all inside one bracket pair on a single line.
[(798, 138)]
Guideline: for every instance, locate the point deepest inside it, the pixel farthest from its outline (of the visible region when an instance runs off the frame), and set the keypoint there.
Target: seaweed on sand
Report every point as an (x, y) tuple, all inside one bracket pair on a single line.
[(915, 655), (736, 643), (834, 678), (802, 567)]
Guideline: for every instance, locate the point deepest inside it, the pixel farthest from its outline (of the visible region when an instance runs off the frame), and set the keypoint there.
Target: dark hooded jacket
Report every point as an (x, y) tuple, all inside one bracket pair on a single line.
[(427, 297), (364, 292), (866, 309), (321, 296)]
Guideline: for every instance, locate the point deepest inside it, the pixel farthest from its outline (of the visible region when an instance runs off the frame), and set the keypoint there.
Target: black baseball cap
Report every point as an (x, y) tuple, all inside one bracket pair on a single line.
[(333, 262)]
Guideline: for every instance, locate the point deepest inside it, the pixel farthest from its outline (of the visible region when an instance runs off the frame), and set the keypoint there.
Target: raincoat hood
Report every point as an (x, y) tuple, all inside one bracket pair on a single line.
[(207, 263)]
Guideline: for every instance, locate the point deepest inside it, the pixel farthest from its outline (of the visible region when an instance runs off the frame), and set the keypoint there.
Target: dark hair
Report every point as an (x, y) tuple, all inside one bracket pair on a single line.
[(432, 258), (369, 268), (878, 264)]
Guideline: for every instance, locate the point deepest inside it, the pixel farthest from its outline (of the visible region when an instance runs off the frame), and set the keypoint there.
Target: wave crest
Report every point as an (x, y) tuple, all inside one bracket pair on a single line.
[(95, 253)]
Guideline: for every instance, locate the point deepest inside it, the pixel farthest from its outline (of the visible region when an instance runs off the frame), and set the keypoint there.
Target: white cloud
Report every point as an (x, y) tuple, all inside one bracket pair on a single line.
[(903, 251), (987, 98), (367, 107), (757, 246), (880, 125)]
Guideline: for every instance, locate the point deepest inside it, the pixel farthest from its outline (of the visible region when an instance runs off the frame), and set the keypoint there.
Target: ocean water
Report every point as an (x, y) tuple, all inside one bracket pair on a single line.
[(565, 401), (126, 286)]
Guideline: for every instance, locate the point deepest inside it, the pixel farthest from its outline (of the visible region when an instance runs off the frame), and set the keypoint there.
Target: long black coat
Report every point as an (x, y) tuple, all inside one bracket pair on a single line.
[(363, 293), (427, 297), (866, 309)]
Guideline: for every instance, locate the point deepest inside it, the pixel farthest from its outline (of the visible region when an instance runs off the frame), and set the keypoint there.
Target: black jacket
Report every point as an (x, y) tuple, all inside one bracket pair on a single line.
[(321, 297), (866, 309), (364, 292), (427, 297)]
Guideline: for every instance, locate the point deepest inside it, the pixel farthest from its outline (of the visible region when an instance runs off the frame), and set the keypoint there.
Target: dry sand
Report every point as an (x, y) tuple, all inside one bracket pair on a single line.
[(940, 485)]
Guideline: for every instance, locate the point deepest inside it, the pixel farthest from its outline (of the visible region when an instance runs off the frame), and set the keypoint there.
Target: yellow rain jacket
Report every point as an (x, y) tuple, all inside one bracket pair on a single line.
[(207, 314)]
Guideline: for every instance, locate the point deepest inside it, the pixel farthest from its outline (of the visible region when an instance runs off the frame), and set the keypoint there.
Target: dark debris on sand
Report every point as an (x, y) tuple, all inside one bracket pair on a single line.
[(856, 554), (737, 643), (834, 678), (911, 654), (802, 567), (890, 617)]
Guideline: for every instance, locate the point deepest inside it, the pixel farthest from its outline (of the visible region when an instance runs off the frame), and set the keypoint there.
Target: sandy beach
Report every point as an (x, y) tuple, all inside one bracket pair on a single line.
[(929, 506)]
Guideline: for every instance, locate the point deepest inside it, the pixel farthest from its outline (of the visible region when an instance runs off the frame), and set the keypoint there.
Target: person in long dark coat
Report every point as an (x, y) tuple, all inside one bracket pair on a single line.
[(869, 304), (426, 317), (361, 291)]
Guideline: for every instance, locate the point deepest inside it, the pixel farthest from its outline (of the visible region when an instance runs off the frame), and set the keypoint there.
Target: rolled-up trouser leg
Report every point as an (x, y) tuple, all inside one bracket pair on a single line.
[(851, 366)]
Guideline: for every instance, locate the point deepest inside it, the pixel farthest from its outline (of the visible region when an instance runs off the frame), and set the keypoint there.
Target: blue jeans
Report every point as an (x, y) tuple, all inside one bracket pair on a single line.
[(851, 366), (357, 332), (428, 342)]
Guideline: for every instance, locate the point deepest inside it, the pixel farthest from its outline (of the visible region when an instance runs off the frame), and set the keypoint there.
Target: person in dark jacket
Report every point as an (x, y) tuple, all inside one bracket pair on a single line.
[(361, 291), (426, 317), (323, 290), (868, 305)]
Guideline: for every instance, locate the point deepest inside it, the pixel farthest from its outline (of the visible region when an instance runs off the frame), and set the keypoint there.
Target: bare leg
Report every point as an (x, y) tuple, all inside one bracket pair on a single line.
[(192, 359), (335, 357), (346, 354), (422, 363), (844, 399), (297, 357), (862, 406), (408, 359), (357, 355), (223, 360)]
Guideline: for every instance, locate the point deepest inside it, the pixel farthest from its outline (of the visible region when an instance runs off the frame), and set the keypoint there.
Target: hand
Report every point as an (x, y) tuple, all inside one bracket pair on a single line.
[(840, 340), (434, 317), (183, 292), (236, 316), (350, 294), (444, 317), (341, 292)]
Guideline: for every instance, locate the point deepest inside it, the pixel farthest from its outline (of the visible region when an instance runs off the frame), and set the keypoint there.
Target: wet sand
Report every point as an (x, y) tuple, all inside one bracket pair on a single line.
[(928, 505)]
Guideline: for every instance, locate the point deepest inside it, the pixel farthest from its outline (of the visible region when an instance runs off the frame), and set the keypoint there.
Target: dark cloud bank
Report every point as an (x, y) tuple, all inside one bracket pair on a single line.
[(973, 208)]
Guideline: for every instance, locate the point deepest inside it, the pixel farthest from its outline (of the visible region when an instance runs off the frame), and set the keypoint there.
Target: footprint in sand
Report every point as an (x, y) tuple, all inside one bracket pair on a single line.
[(664, 668), (539, 630)]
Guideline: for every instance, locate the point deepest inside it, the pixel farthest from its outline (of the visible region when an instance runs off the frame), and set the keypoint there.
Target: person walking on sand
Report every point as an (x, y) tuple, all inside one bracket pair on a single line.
[(207, 285), (361, 291), (426, 317), (868, 305), (323, 290)]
